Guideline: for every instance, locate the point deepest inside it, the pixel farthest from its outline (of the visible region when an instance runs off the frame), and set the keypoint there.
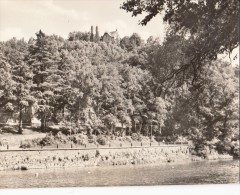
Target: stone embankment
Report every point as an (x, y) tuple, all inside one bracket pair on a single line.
[(56, 158)]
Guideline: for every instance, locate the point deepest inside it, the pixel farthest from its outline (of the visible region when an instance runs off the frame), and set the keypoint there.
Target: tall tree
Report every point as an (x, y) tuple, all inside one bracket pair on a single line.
[(43, 60), (7, 85), (16, 51), (209, 112)]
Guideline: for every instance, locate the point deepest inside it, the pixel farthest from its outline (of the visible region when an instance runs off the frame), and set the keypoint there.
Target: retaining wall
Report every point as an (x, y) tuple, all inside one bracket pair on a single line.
[(53, 158)]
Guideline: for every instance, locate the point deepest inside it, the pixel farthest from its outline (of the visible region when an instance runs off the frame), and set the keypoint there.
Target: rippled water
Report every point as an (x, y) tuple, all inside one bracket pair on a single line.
[(188, 173)]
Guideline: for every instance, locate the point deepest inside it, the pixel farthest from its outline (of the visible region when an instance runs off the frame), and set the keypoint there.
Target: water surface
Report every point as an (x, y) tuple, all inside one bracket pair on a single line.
[(205, 172)]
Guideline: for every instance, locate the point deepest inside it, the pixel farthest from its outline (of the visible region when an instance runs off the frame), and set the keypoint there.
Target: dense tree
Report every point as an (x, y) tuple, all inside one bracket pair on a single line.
[(83, 36), (109, 89), (131, 42), (210, 25), (209, 112)]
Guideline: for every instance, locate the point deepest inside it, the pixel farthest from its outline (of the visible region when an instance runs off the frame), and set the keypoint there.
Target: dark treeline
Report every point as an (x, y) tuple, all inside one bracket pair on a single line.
[(99, 87)]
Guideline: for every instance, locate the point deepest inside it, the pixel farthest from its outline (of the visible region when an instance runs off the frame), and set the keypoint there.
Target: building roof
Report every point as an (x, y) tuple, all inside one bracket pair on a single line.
[(114, 34)]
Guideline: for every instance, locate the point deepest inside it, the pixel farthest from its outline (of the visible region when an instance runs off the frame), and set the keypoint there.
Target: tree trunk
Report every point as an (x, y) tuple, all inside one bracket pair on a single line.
[(140, 128), (146, 126), (43, 122), (114, 129), (110, 129), (63, 112), (121, 130), (224, 134), (159, 125), (20, 131), (129, 131), (151, 132), (160, 130)]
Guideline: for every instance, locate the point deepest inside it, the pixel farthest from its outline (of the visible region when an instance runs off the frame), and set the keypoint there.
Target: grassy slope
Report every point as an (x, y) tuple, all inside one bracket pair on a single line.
[(14, 139)]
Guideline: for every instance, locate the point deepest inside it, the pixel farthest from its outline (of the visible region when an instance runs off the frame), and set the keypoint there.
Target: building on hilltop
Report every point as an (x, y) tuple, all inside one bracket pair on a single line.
[(111, 37), (108, 37)]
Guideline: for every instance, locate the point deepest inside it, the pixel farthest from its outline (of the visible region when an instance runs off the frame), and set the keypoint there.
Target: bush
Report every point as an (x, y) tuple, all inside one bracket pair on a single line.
[(167, 139), (26, 144), (120, 139), (46, 141), (224, 147), (97, 153), (236, 150), (24, 168), (91, 139), (54, 129), (158, 133), (145, 130), (181, 139), (136, 137), (101, 140), (79, 139), (85, 157), (36, 141), (128, 138), (159, 138), (68, 128), (61, 137), (202, 152), (112, 137), (65, 130)]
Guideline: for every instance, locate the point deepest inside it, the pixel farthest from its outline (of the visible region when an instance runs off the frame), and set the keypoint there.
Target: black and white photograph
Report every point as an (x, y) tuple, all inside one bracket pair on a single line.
[(116, 93)]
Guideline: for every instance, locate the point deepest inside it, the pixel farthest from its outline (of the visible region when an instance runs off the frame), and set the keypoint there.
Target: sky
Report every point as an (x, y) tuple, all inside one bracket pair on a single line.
[(23, 18)]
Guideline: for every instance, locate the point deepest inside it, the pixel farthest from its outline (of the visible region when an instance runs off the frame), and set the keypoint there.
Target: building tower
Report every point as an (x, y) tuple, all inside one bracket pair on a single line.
[(92, 36), (97, 38)]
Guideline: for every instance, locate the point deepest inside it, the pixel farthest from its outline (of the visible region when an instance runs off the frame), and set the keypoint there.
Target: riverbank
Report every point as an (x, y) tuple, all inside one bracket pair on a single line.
[(36, 159), (57, 158)]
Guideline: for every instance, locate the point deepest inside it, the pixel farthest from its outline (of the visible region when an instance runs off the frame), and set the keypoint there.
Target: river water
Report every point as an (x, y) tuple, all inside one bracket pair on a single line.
[(204, 172)]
